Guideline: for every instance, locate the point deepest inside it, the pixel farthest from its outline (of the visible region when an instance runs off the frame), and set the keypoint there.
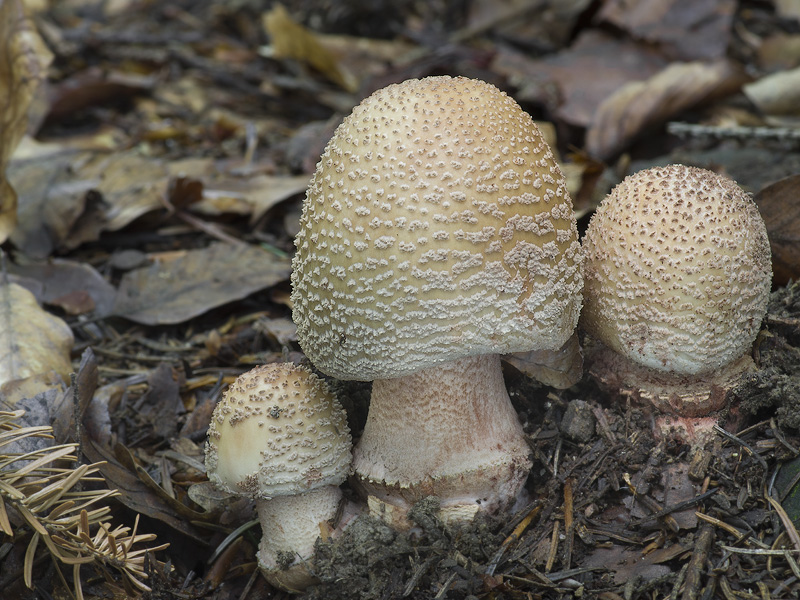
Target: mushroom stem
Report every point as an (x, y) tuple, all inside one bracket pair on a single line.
[(448, 431), (290, 526)]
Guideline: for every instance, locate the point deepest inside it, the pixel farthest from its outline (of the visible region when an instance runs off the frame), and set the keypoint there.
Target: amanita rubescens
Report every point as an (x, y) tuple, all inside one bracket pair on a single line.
[(437, 234), (678, 275)]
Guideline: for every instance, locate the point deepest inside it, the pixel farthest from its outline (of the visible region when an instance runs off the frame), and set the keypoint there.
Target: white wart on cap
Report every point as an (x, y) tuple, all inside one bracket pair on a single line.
[(677, 276)]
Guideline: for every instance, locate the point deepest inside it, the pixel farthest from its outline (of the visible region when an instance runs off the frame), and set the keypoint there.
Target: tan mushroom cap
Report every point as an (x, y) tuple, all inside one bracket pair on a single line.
[(677, 270), (437, 226), (278, 431)]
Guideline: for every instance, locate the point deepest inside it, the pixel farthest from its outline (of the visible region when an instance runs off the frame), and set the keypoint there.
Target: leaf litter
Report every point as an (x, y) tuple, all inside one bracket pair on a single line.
[(159, 187)]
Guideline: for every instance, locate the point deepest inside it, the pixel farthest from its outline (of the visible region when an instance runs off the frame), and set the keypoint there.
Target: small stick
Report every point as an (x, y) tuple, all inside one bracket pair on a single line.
[(696, 562)]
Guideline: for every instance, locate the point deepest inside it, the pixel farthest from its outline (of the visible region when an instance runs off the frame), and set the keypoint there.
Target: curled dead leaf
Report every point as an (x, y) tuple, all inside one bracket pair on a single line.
[(291, 40), (779, 207), (561, 368), (32, 340), (637, 106), (22, 69), (776, 94)]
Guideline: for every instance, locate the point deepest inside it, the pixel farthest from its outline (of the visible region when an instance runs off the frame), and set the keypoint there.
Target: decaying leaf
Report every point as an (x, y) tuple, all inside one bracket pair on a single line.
[(253, 196), (130, 183), (32, 341), (51, 200), (575, 81), (22, 68), (561, 368), (291, 40), (173, 291), (693, 30), (638, 106), (781, 211), (776, 94), (64, 282), (135, 494)]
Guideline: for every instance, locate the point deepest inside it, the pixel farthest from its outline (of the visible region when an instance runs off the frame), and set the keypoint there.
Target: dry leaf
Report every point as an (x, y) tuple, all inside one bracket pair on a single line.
[(291, 40), (33, 341), (781, 211), (776, 94), (684, 29), (69, 284), (52, 198), (173, 291), (253, 196), (640, 105), (132, 185), (22, 68), (561, 368), (135, 494), (575, 81)]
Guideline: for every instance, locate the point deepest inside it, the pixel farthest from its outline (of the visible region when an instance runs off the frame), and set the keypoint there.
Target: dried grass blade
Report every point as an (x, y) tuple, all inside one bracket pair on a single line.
[(5, 524), (30, 553), (791, 531)]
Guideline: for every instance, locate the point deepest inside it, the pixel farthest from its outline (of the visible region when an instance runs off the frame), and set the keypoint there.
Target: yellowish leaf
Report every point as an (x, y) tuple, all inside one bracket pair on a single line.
[(32, 341), (22, 68), (290, 39)]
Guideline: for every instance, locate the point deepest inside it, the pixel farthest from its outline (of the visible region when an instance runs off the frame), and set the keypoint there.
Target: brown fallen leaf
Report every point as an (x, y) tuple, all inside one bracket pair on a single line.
[(51, 198), (69, 285), (781, 211), (637, 106), (683, 29), (561, 368), (173, 291), (25, 59), (253, 196), (776, 94), (32, 341), (136, 494), (574, 82), (289, 39)]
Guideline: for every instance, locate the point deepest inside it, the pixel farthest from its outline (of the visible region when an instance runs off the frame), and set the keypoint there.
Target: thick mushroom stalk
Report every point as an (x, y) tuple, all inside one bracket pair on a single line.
[(280, 436), (678, 275), (482, 465), (290, 527), (437, 233)]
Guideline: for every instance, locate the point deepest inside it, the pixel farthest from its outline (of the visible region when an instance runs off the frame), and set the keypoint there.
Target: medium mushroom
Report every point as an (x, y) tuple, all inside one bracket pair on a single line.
[(437, 234), (678, 276), (280, 436)]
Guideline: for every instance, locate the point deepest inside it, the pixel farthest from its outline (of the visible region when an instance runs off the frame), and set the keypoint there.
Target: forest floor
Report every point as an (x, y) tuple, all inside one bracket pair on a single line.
[(160, 151)]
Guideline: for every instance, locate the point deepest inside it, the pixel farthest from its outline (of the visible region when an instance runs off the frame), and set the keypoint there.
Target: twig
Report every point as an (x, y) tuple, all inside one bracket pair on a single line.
[(744, 444), (696, 562), (675, 507), (569, 524)]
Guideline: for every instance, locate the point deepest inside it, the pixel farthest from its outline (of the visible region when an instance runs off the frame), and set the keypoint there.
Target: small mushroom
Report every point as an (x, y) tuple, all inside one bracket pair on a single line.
[(437, 233), (279, 436), (677, 279)]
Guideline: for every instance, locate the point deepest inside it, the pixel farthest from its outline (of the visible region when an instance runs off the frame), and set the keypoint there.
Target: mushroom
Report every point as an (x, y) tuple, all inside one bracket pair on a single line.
[(677, 279), (437, 234), (280, 436)]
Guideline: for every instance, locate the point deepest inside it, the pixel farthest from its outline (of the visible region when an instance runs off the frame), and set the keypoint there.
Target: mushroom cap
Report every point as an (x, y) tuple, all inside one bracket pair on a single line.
[(678, 271), (278, 430), (437, 226)]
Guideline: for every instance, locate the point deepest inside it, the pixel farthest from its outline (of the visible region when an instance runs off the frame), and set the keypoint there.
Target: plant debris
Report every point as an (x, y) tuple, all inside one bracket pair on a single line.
[(153, 159)]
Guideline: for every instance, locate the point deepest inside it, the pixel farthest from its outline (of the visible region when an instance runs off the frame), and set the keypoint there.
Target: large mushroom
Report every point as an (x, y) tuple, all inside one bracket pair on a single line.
[(437, 234), (678, 275), (280, 436)]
